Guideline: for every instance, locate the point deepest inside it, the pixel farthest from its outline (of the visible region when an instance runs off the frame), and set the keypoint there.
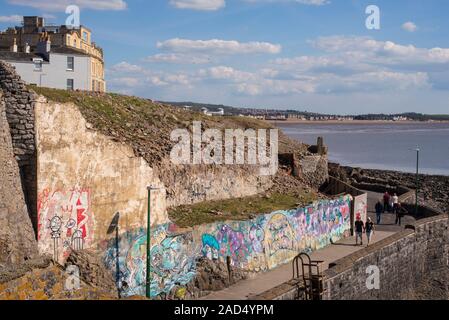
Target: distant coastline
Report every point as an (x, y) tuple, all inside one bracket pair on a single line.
[(358, 122)]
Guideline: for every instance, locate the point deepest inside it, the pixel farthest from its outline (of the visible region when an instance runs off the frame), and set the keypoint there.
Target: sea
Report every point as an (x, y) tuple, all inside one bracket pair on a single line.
[(385, 146)]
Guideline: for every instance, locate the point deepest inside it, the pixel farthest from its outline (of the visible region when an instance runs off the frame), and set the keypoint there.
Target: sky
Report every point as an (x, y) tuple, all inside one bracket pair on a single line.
[(314, 55)]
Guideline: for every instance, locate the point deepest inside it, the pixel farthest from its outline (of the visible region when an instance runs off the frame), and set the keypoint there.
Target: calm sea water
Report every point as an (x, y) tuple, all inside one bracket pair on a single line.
[(380, 146)]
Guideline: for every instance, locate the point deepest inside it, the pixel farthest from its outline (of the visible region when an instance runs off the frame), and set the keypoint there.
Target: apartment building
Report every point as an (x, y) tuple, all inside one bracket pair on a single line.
[(54, 56)]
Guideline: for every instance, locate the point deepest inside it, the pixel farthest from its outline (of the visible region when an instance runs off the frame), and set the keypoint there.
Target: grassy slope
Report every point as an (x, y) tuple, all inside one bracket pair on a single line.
[(146, 126)]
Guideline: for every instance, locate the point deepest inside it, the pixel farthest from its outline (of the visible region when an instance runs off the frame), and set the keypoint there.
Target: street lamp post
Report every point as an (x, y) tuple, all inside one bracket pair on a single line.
[(417, 182), (148, 275)]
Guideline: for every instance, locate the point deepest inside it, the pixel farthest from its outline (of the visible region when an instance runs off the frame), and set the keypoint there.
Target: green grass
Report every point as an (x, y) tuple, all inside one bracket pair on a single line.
[(236, 209)]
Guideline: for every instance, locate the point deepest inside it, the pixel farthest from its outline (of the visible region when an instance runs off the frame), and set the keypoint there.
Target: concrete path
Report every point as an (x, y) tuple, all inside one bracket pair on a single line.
[(262, 282)]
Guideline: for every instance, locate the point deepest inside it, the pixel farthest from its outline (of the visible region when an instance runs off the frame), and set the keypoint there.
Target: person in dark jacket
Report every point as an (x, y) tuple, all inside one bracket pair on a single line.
[(359, 229), (387, 201), (379, 210)]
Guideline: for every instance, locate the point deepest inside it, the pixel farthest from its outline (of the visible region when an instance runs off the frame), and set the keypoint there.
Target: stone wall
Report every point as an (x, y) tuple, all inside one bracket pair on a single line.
[(19, 103), (404, 260), (17, 239)]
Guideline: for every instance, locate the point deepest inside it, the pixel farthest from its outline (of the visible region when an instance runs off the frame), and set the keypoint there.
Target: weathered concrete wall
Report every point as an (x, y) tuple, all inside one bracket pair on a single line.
[(254, 245), (17, 240), (84, 178), (312, 169), (197, 183)]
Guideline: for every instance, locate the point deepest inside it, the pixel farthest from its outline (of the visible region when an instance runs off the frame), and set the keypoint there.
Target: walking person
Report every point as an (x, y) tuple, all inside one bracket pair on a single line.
[(399, 213), (379, 210), (369, 229), (359, 228), (386, 201), (395, 200)]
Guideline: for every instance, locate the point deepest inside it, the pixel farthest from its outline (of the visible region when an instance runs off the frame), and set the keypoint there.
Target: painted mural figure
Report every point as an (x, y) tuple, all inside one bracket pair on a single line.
[(69, 221)]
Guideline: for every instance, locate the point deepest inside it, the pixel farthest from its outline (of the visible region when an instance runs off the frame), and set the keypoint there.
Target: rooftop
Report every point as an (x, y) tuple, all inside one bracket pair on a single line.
[(18, 56)]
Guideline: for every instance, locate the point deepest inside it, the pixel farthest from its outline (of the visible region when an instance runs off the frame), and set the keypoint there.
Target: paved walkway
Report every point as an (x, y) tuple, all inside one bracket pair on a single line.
[(262, 282)]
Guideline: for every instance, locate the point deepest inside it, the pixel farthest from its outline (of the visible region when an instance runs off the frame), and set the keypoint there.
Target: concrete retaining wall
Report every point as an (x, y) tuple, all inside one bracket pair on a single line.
[(254, 245)]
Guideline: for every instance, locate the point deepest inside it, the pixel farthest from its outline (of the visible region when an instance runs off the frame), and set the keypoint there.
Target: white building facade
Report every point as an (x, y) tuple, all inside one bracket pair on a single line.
[(61, 70)]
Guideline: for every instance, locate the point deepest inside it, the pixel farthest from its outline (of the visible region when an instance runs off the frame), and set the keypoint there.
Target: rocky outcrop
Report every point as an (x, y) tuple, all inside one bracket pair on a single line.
[(49, 281), (92, 271), (433, 192), (212, 275)]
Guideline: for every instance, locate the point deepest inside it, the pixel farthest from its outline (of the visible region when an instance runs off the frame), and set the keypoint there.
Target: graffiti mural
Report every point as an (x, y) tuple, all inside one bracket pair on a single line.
[(172, 261), (255, 245), (64, 221), (274, 239)]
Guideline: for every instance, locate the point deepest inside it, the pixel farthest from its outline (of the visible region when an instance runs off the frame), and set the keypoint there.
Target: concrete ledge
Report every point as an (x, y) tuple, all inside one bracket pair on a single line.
[(287, 291)]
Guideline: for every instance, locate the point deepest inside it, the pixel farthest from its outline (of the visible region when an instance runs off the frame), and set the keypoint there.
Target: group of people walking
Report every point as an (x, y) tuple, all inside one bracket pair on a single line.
[(390, 204), (360, 228)]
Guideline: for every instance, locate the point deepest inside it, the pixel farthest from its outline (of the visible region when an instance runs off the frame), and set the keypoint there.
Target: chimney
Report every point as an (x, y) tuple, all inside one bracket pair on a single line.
[(26, 48), (14, 46), (44, 46)]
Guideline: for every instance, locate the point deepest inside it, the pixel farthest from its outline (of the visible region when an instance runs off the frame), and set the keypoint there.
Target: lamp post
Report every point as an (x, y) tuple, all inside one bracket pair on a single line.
[(417, 181), (148, 275)]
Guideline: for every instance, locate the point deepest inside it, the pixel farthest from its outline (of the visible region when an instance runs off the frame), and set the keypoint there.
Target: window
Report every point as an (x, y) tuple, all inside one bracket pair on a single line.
[(70, 63), (85, 36), (93, 85), (70, 84)]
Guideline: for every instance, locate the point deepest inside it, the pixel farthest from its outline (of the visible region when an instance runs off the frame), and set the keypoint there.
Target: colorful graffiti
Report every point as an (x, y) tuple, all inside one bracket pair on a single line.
[(65, 221), (172, 263), (254, 245), (274, 239)]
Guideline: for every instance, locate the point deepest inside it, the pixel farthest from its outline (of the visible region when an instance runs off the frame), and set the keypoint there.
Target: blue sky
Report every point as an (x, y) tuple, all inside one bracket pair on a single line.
[(314, 55)]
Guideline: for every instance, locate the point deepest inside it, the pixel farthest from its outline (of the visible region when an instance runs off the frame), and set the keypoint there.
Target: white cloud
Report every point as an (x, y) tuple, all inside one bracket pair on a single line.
[(126, 67), (410, 26), (212, 5), (61, 5), (380, 52), (217, 46), (204, 5), (177, 58), (11, 19)]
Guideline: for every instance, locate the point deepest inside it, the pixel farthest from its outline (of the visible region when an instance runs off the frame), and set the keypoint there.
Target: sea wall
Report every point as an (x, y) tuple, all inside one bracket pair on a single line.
[(405, 261), (255, 245)]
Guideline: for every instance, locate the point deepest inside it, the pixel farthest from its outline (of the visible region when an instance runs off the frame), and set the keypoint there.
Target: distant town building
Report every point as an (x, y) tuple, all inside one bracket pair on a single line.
[(54, 56), (206, 111)]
